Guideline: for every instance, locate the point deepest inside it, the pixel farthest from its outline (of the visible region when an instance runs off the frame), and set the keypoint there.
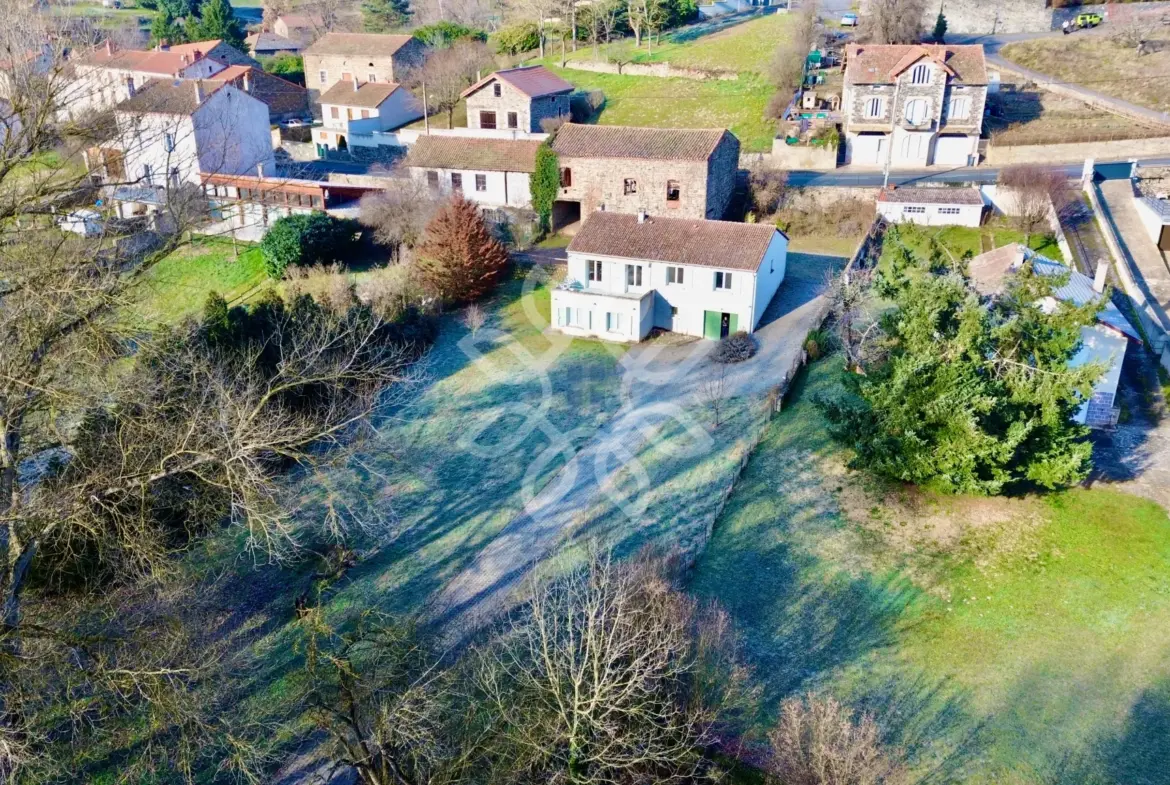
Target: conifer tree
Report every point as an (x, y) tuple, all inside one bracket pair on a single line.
[(380, 16), (459, 259), (218, 21)]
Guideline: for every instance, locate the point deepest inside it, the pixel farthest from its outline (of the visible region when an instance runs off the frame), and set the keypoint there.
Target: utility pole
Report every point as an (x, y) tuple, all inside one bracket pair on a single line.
[(426, 111)]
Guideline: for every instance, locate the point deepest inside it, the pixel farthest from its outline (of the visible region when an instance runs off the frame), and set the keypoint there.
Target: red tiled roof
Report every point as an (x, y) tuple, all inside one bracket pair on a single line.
[(466, 152), (371, 44), (368, 94), (881, 63), (534, 81), (169, 96), (200, 47), (613, 141), (162, 63), (723, 244)]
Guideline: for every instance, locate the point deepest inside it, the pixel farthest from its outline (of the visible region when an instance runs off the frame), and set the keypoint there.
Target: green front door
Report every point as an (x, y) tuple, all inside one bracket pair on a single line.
[(732, 323), (711, 324)]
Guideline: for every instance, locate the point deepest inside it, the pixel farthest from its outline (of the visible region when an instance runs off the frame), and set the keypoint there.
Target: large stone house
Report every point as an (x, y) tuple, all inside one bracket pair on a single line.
[(284, 99), (628, 274), (661, 171), (913, 105), (517, 98), (367, 57), (352, 112), (489, 172)]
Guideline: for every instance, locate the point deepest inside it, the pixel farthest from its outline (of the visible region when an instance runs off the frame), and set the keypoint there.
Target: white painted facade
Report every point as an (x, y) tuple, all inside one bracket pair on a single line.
[(927, 214), (360, 124), (1106, 346), (99, 87), (228, 133), (618, 308), (499, 189)]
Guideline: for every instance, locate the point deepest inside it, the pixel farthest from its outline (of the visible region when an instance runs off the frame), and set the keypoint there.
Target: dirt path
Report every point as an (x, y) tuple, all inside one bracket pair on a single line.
[(659, 383)]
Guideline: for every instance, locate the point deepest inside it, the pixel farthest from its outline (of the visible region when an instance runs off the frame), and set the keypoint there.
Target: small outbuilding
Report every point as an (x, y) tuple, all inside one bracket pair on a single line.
[(941, 206)]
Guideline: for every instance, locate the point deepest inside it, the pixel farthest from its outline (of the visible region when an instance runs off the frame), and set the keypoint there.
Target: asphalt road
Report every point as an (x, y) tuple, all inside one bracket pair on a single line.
[(1106, 170)]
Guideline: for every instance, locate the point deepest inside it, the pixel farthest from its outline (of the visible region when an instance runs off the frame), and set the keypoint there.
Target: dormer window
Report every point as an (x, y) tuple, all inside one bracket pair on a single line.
[(920, 74)]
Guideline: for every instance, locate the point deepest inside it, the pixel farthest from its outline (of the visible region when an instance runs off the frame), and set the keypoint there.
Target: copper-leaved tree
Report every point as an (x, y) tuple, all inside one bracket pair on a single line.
[(460, 261)]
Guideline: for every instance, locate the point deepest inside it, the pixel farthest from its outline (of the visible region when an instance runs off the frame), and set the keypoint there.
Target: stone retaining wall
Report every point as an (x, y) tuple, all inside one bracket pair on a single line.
[(661, 70), (984, 17)]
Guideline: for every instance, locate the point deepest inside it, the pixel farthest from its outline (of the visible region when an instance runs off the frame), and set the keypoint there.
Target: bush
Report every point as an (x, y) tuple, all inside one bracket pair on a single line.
[(735, 348), (285, 64), (517, 38), (307, 239), (584, 105), (445, 33), (817, 344)]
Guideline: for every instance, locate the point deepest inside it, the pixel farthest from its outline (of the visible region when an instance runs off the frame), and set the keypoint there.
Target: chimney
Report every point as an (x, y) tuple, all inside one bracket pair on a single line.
[(247, 81), (183, 58), (260, 171), (198, 54), (642, 216), (1102, 276), (355, 84), (164, 45), (109, 48), (198, 92)]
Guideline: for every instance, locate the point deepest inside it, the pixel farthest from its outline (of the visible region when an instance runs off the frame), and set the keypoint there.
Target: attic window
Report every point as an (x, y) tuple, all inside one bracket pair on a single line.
[(673, 192), (920, 74), (631, 186), (497, 91)]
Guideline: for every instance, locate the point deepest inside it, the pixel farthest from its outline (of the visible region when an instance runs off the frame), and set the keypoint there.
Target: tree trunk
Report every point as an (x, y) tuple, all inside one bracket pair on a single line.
[(573, 17)]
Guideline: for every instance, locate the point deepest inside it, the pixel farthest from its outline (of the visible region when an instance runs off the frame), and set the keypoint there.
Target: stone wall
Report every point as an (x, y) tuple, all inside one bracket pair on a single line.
[(1068, 153), (598, 182), (1118, 13), (662, 70), (721, 172), (800, 156), (385, 68), (983, 17), (529, 111)]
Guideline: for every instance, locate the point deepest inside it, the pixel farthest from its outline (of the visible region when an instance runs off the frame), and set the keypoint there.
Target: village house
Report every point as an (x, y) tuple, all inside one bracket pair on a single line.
[(109, 75), (489, 172), (171, 132), (368, 57), (932, 206), (517, 99), (265, 44), (1104, 342), (284, 99), (298, 27), (660, 171), (913, 105), (354, 111), (628, 274), (216, 49)]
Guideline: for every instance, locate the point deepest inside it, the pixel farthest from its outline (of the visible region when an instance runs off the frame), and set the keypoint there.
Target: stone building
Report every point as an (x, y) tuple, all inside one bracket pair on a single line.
[(660, 171), (367, 57), (284, 99), (913, 105), (517, 98)]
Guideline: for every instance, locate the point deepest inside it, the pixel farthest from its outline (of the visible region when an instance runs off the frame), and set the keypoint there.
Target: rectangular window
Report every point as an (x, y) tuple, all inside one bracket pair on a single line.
[(914, 210), (722, 280), (673, 193), (348, 114), (613, 322), (948, 211), (147, 175), (673, 312), (566, 177), (487, 120), (334, 112), (513, 120), (346, 76), (433, 180), (365, 114), (323, 76), (633, 275), (594, 270), (920, 74), (169, 142), (497, 91), (674, 274), (371, 78), (481, 182), (456, 181), (175, 178), (631, 186), (873, 107), (960, 108)]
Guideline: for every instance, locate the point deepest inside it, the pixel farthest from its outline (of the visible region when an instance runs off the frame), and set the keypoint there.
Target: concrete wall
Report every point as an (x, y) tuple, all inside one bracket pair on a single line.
[(1062, 153), (1151, 220), (932, 214)]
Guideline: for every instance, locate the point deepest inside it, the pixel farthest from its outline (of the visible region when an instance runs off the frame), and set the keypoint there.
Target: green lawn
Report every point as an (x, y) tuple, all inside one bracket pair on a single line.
[(177, 286), (960, 240), (997, 641), (746, 47)]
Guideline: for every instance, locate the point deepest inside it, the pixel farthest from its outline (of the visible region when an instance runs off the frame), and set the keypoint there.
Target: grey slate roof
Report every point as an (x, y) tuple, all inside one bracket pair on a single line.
[(534, 81), (723, 244)]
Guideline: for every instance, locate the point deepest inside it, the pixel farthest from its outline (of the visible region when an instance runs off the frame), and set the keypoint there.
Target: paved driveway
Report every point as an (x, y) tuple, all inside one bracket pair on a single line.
[(660, 380), (1146, 261)]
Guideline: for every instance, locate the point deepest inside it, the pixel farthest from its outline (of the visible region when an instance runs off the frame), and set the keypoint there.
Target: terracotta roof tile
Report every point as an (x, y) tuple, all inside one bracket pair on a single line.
[(167, 96), (269, 42), (464, 152), (161, 63), (880, 63), (940, 195), (723, 244), (368, 94), (371, 44), (612, 141), (534, 81)]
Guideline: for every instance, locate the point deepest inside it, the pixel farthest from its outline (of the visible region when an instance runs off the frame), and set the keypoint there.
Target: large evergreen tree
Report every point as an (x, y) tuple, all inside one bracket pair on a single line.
[(380, 16), (969, 394), (544, 184), (217, 20), (165, 28), (459, 260)]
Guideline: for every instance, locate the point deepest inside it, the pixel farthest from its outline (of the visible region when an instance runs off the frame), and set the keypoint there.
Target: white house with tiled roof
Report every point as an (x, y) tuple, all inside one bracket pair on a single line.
[(517, 98), (489, 172), (913, 105), (109, 74), (932, 206), (628, 274), (352, 112)]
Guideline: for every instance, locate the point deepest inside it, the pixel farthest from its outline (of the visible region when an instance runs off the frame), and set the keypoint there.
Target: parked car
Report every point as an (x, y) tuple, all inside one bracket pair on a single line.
[(849, 20), (1089, 20)]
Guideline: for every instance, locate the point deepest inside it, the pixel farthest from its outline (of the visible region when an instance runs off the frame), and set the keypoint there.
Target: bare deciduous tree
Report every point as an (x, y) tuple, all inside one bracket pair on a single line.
[(713, 393), (399, 215), (766, 188), (856, 327), (1037, 195), (474, 318), (448, 72), (610, 675), (817, 741), (788, 61), (893, 22), (1133, 34)]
